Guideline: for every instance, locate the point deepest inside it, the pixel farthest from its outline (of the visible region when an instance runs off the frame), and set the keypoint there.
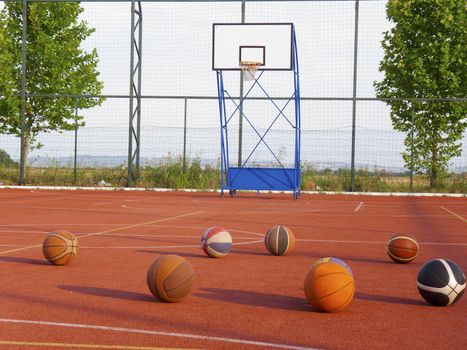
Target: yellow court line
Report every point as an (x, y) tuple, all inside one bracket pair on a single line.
[(138, 225), (85, 346), (456, 215), (107, 231)]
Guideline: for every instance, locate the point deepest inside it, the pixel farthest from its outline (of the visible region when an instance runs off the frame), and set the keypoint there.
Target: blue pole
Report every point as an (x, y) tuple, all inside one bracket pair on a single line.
[(297, 115), (221, 111)]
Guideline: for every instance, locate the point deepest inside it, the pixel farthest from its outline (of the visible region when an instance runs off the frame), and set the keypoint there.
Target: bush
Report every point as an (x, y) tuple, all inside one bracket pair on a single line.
[(6, 161), (170, 174)]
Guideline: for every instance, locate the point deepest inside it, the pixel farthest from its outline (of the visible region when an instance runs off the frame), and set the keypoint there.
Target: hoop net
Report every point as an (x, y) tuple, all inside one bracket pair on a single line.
[(249, 69)]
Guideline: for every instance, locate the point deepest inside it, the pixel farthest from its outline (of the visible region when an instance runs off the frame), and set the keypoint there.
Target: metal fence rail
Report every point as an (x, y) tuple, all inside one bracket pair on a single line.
[(326, 141)]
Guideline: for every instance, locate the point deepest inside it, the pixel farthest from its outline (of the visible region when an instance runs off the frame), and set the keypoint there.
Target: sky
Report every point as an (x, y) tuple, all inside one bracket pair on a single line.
[(176, 61)]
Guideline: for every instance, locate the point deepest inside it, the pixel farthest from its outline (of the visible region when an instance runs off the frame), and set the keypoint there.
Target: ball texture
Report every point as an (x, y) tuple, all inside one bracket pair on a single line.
[(170, 278), (216, 242), (334, 260), (329, 287), (402, 248), (441, 282), (279, 240), (60, 247)]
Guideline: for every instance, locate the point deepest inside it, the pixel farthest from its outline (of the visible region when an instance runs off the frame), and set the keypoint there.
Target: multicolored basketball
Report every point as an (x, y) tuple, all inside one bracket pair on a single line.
[(279, 240), (170, 278), (329, 287), (60, 247), (334, 260), (216, 242), (441, 282), (402, 248)]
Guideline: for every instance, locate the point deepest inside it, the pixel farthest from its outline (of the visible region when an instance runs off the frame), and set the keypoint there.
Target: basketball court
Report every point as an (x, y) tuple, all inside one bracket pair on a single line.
[(246, 300)]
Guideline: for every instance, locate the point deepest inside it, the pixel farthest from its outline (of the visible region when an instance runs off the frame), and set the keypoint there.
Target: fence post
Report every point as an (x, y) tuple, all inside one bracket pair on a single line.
[(76, 143), (134, 133), (240, 109), (23, 154), (411, 148), (354, 99), (184, 138)]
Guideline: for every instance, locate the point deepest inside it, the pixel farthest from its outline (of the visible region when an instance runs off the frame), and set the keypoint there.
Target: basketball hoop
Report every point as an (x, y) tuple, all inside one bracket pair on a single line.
[(249, 69)]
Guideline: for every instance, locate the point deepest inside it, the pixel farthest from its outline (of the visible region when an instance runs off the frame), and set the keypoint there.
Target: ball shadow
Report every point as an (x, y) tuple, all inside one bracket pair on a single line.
[(109, 293), (250, 252), (383, 260), (24, 260), (258, 299), (387, 299), (199, 255)]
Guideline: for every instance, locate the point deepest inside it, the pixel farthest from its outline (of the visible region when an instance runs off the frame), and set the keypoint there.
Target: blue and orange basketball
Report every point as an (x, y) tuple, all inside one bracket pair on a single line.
[(329, 286), (216, 242), (279, 240), (334, 260)]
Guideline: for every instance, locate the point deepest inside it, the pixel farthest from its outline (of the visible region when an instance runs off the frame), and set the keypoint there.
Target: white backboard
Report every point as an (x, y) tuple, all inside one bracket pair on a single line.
[(269, 43)]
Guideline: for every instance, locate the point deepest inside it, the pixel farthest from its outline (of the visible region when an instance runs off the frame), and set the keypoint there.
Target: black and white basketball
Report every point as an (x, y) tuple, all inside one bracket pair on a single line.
[(441, 282)]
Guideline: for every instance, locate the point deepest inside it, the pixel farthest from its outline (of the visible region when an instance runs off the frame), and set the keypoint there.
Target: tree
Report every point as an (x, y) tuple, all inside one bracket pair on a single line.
[(426, 57), (55, 64), (5, 159)]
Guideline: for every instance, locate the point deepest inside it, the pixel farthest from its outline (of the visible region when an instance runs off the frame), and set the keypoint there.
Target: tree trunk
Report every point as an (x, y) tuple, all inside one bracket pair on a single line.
[(27, 139), (434, 168)]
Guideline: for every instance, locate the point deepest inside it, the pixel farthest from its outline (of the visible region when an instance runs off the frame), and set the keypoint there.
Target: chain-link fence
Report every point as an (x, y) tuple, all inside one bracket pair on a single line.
[(343, 125)]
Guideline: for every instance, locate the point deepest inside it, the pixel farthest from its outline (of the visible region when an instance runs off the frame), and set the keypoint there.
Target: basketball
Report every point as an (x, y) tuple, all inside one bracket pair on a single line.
[(334, 260), (441, 282), (402, 248), (216, 242), (60, 247), (170, 278), (279, 240), (329, 287)]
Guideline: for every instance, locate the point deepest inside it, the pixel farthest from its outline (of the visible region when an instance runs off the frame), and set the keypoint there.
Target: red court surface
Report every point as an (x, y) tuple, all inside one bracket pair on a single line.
[(247, 300)]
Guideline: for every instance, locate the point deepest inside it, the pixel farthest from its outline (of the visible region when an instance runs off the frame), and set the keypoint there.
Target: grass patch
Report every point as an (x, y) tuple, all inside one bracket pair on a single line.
[(379, 181), (170, 174)]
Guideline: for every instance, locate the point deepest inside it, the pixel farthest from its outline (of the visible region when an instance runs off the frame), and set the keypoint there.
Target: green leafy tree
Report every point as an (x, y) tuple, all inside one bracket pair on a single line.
[(55, 64), (5, 159), (426, 56)]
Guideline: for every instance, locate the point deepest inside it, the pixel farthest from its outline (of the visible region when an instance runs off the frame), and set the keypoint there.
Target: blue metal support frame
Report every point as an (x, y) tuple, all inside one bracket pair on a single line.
[(247, 178)]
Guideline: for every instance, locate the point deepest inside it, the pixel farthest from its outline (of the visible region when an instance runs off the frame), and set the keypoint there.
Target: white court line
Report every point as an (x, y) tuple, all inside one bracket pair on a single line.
[(108, 231), (143, 247), (189, 190), (359, 206), (157, 236), (118, 225), (373, 242), (103, 203), (267, 212), (124, 200), (35, 344), (262, 241), (455, 214), (251, 242), (162, 246), (159, 333), (49, 224), (23, 231)]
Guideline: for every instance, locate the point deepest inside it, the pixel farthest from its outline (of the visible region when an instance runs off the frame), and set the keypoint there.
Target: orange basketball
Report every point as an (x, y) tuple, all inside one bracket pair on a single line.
[(170, 278), (60, 247), (329, 287), (402, 248)]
